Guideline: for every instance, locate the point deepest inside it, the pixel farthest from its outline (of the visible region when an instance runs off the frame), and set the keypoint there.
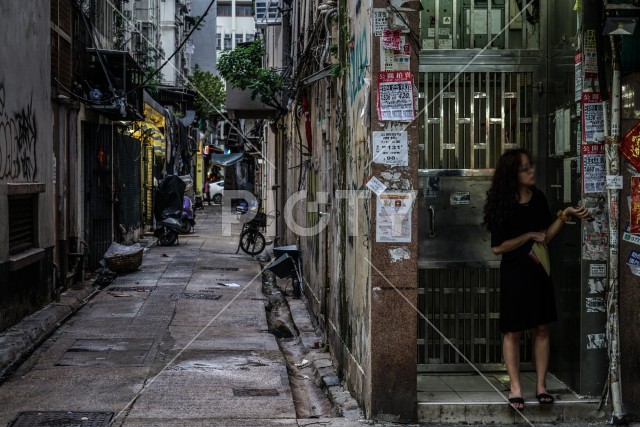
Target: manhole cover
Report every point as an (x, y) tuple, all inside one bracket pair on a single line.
[(254, 392), (205, 267), (131, 288), (62, 419), (186, 295)]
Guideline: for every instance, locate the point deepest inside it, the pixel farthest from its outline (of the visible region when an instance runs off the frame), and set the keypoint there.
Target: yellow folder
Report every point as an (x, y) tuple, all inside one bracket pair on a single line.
[(542, 254)]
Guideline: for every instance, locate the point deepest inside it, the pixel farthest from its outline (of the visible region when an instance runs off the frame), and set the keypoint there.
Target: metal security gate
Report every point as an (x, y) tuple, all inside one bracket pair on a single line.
[(128, 182), (98, 189), (470, 119)]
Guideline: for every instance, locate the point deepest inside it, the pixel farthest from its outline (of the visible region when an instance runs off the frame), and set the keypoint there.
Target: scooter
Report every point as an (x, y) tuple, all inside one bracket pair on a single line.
[(188, 220), (167, 210)]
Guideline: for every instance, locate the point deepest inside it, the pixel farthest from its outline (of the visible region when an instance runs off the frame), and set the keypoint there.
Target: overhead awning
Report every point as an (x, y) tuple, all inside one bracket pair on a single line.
[(226, 159)]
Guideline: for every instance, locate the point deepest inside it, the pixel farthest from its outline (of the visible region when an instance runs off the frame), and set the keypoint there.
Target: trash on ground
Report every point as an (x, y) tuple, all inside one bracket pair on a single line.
[(229, 285), (303, 364), (118, 294)]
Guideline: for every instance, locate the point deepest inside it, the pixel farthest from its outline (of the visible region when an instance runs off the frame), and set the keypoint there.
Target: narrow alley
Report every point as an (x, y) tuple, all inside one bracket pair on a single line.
[(184, 341)]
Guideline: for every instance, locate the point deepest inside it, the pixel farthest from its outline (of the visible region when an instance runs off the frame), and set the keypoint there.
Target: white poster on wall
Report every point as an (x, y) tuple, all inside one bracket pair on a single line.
[(393, 217), (391, 148)]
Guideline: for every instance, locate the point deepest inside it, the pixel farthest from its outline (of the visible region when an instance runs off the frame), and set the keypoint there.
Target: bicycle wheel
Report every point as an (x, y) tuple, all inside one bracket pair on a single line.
[(252, 242)]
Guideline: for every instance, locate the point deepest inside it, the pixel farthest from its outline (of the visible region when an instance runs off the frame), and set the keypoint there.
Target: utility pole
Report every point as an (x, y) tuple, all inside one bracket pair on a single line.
[(612, 147)]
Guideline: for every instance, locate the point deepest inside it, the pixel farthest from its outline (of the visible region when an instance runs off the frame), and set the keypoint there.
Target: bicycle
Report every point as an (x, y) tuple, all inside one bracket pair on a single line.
[(252, 241)]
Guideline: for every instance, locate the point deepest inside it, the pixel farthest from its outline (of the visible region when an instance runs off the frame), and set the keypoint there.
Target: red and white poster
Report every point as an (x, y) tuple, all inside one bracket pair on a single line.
[(630, 147), (634, 221), (592, 117), (392, 39), (594, 168), (395, 96)]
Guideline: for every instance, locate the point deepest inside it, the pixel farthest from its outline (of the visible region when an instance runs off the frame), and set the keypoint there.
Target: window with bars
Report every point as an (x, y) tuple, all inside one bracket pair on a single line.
[(61, 34), (22, 223)]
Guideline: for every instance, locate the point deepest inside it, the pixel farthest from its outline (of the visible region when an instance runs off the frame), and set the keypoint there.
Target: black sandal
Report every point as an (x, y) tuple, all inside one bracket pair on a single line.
[(545, 399), (516, 401)]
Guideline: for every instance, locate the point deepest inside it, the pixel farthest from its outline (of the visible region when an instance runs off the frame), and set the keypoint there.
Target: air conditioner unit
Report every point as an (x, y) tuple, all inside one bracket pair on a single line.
[(268, 12)]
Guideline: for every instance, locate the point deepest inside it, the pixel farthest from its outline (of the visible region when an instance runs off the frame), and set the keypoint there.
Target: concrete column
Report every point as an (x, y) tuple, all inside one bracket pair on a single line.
[(394, 271)]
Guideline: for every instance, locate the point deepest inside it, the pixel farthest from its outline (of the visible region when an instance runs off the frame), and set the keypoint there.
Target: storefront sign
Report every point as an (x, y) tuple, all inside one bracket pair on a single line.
[(634, 222), (592, 117), (395, 96), (594, 173), (391, 148), (393, 217), (630, 146)]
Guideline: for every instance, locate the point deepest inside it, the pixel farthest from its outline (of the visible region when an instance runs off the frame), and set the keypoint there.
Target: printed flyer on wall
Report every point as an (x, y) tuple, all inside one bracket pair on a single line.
[(393, 217), (594, 168), (395, 96)]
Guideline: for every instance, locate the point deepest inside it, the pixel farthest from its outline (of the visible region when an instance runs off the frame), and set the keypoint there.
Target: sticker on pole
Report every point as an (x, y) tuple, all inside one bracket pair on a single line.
[(395, 96), (376, 186)]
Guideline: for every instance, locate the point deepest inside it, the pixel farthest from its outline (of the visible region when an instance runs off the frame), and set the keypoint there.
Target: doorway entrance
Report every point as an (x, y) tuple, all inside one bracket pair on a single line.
[(470, 118)]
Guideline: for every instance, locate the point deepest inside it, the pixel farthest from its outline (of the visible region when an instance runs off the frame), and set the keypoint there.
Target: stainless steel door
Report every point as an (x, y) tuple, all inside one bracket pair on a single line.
[(470, 118)]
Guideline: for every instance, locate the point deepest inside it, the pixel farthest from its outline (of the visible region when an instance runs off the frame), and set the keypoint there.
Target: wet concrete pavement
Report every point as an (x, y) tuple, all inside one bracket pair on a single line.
[(168, 345)]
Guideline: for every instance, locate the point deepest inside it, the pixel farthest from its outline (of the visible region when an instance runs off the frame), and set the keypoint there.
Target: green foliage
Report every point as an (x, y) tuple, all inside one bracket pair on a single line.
[(242, 69), (210, 93), (336, 70)]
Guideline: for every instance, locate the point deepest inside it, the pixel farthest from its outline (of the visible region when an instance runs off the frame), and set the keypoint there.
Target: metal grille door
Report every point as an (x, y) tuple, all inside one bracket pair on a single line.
[(98, 186), (472, 118)]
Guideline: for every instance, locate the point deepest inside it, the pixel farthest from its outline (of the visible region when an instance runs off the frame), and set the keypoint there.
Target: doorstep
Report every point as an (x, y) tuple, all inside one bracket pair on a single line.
[(469, 398)]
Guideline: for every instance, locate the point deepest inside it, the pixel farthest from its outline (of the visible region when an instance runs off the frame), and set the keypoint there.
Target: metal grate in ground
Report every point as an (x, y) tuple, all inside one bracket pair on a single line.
[(254, 392), (62, 419), (186, 295), (131, 288)]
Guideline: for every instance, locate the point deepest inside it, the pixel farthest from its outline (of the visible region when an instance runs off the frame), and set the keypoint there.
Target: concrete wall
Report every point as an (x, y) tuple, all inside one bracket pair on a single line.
[(25, 144), (204, 39)]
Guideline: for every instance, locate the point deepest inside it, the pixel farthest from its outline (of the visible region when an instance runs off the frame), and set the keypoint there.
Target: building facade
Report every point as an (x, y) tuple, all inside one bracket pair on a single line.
[(426, 101), (235, 24)]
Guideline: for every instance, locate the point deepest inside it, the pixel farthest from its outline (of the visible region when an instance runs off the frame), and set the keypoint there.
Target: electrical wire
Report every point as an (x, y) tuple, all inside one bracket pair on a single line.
[(180, 46)]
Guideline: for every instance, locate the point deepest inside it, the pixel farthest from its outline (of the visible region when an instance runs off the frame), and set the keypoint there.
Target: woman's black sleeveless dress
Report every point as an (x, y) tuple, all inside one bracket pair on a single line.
[(527, 297)]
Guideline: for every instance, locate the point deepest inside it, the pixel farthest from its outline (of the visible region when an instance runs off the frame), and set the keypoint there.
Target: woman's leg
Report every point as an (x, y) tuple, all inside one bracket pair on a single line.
[(541, 356), (511, 355)]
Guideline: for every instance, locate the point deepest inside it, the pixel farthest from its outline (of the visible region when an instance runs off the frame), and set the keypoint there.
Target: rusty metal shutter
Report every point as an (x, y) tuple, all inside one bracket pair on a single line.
[(22, 214)]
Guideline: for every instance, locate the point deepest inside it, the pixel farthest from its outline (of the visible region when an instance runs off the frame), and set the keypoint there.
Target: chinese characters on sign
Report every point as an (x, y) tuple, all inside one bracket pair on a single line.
[(395, 96), (379, 21), (630, 147), (634, 222), (393, 217), (594, 173), (375, 185), (592, 117), (590, 66), (578, 84), (391, 148), (392, 39)]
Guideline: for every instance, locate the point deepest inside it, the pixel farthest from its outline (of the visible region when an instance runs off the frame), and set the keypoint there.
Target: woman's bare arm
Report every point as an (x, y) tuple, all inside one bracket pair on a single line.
[(516, 242)]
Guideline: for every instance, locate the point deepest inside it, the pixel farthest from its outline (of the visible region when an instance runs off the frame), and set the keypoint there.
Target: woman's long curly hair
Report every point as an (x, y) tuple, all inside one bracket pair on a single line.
[(502, 197)]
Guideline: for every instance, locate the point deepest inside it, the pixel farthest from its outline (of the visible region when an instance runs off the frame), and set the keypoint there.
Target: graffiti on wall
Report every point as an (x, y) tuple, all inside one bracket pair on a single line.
[(18, 139), (359, 62)]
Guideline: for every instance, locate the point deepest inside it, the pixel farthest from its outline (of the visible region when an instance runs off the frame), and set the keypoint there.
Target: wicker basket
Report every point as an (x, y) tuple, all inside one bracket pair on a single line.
[(125, 263)]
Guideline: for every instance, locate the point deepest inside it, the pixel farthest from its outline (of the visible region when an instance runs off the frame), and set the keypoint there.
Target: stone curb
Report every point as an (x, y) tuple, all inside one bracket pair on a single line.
[(326, 377), (20, 340)]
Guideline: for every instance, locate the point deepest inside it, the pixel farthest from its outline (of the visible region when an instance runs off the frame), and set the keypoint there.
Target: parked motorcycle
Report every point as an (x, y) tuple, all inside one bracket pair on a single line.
[(167, 210), (188, 220)]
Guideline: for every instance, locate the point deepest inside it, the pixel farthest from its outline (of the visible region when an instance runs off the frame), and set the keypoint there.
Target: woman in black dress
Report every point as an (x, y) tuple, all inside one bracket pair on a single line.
[(517, 215)]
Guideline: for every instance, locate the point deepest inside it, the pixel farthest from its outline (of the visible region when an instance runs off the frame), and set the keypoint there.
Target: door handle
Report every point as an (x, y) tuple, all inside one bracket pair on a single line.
[(432, 221)]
